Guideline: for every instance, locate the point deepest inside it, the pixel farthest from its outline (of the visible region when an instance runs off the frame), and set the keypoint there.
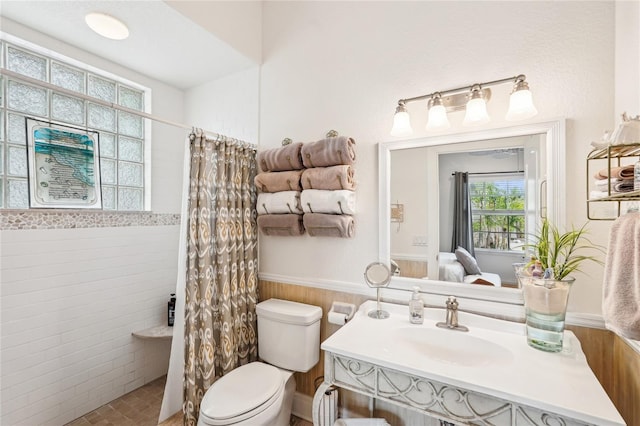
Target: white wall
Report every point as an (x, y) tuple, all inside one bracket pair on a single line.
[(409, 188), (229, 105), (70, 298), (344, 65)]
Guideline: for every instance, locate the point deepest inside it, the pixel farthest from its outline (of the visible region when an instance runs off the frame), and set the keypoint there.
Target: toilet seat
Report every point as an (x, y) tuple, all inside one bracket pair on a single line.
[(261, 385)]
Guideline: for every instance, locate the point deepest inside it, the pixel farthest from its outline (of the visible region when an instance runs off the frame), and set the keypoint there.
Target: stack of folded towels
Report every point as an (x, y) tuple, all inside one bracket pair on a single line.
[(619, 181), (328, 187), (308, 186), (278, 204)]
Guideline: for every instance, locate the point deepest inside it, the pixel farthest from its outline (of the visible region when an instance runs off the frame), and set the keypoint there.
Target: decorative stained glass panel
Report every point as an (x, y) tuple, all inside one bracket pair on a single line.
[(27, 98), (27, 64), (67, 109), (102, 89), (66, 77)]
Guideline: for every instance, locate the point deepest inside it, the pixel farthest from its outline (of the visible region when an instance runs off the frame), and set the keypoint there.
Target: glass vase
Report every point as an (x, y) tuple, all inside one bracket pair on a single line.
[(545, 302)]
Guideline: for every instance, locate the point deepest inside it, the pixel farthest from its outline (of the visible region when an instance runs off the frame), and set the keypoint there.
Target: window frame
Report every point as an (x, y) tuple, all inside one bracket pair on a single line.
[(491, 177), (122, 85)]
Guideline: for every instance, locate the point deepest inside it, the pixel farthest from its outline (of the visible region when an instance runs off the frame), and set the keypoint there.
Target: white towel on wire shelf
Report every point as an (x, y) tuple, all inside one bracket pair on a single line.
[(621, 286), (283, 202), (341, 201)]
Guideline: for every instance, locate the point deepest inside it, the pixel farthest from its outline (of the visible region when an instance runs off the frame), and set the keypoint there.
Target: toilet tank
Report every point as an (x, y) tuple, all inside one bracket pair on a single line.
[(289, 334)]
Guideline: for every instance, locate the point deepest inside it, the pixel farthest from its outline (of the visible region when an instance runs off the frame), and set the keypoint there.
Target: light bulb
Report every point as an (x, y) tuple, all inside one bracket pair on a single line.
[(437, 119), (401, 122), (521, 105), (476, 113)]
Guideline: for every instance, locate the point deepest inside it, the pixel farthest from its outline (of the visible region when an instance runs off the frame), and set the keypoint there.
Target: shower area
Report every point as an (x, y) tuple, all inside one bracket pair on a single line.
[(77, 283)]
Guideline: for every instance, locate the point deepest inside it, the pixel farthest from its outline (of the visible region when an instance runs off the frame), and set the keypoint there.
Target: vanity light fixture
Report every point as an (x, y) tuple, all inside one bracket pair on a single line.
[(473, 99), (107, 26)]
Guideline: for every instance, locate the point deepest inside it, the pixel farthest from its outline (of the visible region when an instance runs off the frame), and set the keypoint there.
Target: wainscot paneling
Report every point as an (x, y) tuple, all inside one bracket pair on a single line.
[(613, 361)]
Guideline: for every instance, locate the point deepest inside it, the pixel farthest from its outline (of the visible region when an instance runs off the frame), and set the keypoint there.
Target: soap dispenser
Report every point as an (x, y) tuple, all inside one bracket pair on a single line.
[(416, 307)]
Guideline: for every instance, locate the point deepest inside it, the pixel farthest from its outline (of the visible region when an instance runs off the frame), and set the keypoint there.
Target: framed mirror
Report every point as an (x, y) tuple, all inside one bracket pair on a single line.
[(514, 175)]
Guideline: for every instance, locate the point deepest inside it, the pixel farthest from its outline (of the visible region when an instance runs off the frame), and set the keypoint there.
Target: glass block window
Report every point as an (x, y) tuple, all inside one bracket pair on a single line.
[(123, 139)]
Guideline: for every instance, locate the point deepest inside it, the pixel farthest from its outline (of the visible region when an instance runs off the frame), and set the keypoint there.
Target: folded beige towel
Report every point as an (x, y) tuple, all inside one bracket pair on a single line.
[(625, 172), (334, 177), (285, 225), (278, 181), (621, 286), (329, 225), (333, 202), (329, 152), (280, 159), (283, 202)]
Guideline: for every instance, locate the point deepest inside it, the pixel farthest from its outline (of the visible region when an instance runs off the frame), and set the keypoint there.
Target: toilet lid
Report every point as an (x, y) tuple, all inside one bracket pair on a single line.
[(242, 391)]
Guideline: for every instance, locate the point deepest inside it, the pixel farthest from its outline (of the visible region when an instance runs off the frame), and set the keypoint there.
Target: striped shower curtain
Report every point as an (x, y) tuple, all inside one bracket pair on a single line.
[(222, 265)]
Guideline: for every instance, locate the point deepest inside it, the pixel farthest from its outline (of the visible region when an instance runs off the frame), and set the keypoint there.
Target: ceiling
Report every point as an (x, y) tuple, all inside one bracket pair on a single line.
[(163, 43)]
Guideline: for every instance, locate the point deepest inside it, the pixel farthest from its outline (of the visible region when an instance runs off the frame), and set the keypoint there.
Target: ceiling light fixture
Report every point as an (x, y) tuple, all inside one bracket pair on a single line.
[(473, 99), (107, 26)]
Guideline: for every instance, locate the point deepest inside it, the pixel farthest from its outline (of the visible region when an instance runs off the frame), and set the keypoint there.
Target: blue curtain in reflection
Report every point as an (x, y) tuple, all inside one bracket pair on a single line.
[(462, 225)]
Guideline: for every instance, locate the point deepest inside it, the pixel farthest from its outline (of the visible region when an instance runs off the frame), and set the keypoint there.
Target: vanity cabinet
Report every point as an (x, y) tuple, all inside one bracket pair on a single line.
[(487, 375), (437, 399), (610, 157)]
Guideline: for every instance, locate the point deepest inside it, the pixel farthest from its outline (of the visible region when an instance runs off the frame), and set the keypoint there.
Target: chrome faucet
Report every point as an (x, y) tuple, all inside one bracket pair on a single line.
[(452, 316)]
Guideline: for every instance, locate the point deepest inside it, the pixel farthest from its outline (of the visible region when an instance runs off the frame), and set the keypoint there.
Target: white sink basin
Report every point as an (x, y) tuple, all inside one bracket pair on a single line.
[(491, 359), (453, 347)]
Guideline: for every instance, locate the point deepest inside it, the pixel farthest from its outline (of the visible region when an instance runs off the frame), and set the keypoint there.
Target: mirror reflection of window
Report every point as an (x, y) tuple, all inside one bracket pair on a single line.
[(498, 210)]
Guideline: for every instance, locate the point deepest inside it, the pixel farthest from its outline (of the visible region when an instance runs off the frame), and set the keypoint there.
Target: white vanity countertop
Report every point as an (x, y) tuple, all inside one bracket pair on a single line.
[(492, 358)]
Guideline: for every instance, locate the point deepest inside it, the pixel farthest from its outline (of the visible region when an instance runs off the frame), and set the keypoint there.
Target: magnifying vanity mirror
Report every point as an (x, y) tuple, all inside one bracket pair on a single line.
[(514, 176), (377, 275)]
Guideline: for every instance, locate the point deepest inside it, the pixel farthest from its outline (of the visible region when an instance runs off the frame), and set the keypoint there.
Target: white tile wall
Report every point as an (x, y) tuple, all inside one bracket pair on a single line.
[(69, 300)]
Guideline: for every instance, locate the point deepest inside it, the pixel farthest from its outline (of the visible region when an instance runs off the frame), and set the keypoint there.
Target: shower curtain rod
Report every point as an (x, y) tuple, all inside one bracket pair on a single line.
[(512, 172), (44, 84)]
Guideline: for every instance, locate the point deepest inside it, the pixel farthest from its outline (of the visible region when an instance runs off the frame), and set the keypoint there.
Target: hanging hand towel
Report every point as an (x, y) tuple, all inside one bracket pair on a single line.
[(278, 181), (621, 286), (334, 177), (281, 159), (329, 152), (284, 225), (625, 172), (329, 225), (332, 202), (284, 202)]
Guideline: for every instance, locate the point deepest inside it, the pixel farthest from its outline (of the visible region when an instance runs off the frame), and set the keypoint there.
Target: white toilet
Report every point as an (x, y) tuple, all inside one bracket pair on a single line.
[(258, 393)]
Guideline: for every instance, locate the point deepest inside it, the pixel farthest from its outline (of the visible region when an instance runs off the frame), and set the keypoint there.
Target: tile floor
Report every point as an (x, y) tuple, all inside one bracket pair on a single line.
[(140, 407)]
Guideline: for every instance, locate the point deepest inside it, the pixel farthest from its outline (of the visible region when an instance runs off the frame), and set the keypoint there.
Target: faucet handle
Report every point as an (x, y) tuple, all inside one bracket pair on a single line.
[(452, 303)]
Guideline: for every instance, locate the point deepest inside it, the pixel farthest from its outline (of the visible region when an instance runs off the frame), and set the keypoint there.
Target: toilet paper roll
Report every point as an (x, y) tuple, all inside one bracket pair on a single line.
[(337, 318)]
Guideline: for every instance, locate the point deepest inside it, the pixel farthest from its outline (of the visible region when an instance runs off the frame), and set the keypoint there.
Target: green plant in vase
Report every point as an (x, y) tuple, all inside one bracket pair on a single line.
[(546, 282)]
